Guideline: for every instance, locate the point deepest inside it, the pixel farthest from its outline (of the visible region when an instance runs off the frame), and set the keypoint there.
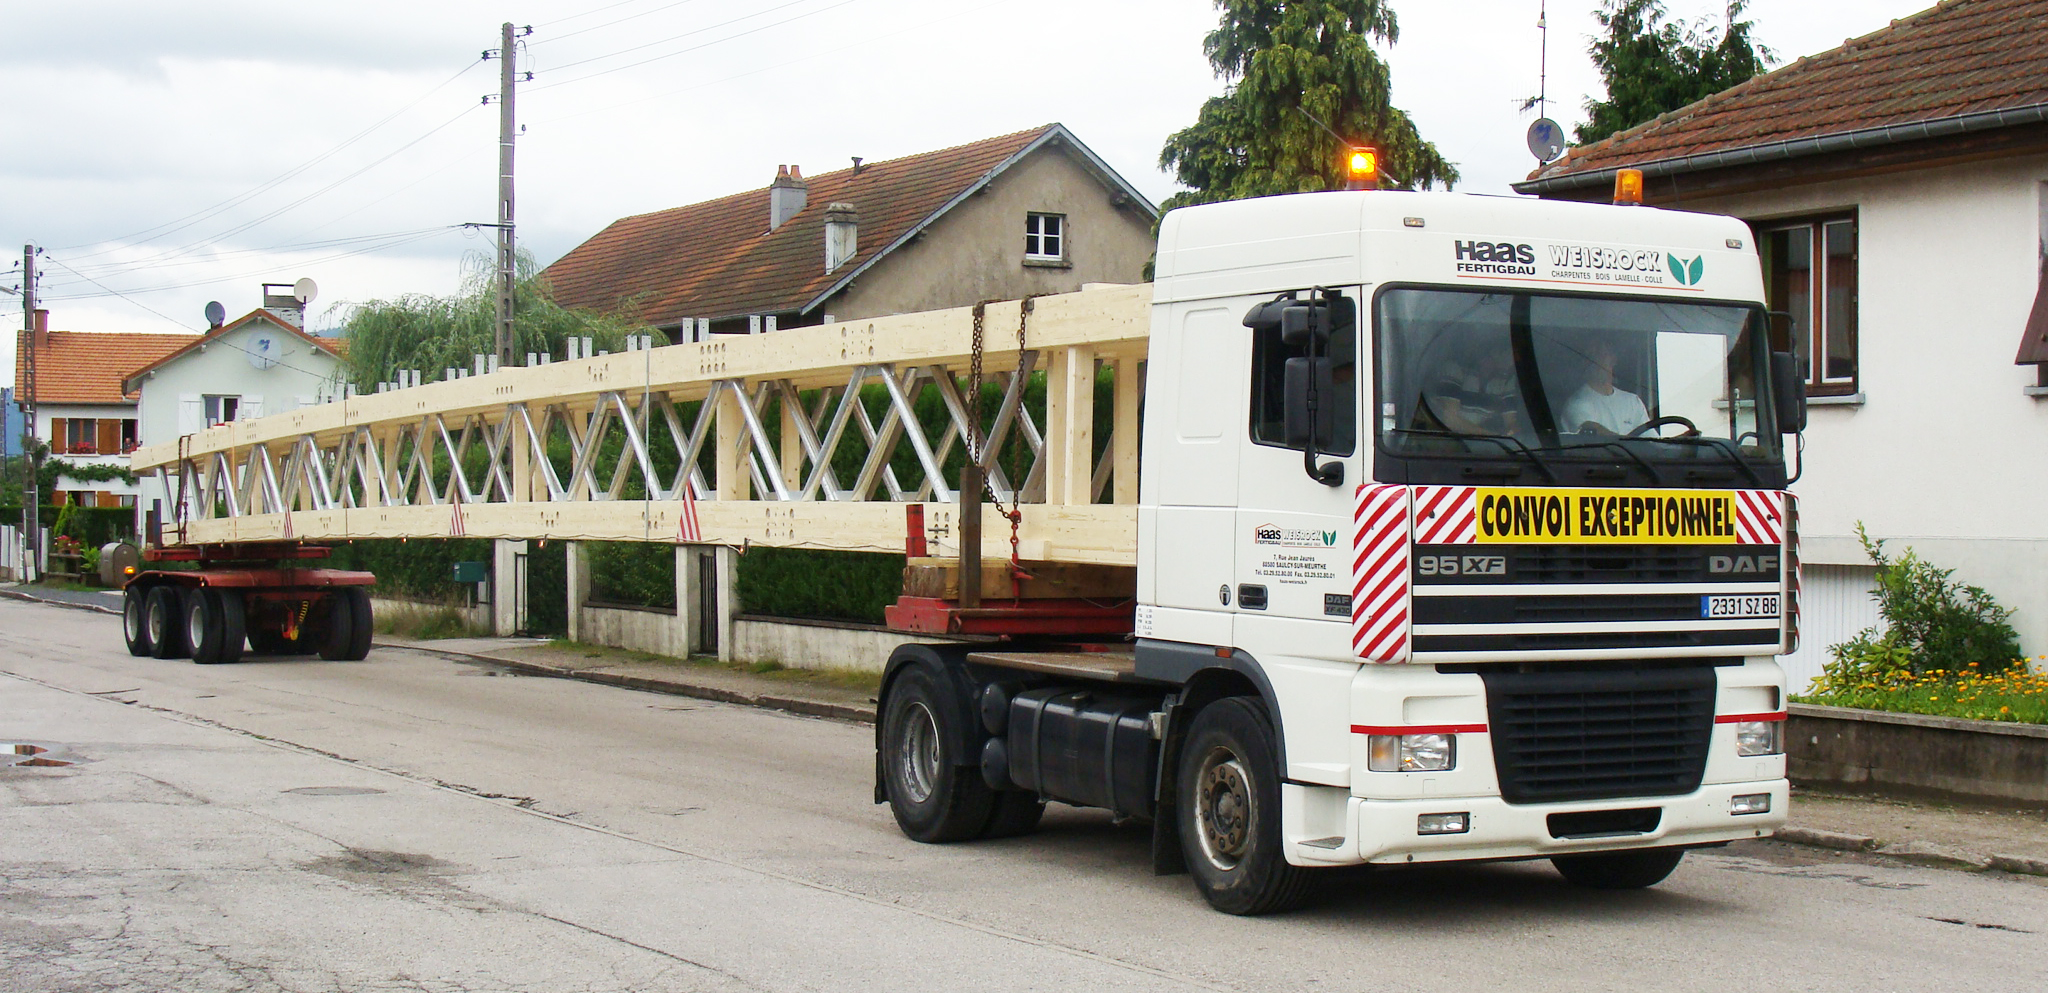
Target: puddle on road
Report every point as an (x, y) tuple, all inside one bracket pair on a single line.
[(335, 791), (23, 754)]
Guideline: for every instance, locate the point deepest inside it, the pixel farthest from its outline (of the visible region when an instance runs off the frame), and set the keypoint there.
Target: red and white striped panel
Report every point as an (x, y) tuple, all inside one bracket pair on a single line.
[(687, 531), (1759, 517), (1379, 574), (1446, 515)]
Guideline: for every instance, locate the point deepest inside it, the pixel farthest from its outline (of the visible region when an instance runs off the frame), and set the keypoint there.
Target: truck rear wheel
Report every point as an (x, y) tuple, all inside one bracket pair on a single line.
[(935, 798), (1229, 812), (135, 620), (1634, 870), (349, 625), (164, 615), (214, 620)]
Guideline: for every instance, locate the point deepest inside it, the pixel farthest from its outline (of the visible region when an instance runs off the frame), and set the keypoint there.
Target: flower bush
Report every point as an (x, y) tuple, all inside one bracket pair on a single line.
[(2017, 692)]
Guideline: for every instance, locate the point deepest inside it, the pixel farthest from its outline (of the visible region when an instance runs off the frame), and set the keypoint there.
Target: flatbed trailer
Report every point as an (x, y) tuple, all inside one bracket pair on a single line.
[(253, 597)]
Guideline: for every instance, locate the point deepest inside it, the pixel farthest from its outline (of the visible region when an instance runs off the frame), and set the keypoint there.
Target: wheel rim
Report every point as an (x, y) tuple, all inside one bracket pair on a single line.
[(195, 620), (1223, 809), (157, 617), (917, 753), (134, 617)]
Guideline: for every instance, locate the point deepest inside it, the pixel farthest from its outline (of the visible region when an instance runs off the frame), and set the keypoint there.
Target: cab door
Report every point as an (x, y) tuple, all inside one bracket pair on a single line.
[(1293, 572)]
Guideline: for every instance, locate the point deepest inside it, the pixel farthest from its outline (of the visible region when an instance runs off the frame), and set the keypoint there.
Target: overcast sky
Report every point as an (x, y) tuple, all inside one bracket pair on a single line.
[(184, 152)]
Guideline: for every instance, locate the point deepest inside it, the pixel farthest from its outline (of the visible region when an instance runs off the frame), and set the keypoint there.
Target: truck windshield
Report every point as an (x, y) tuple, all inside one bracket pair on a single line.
[(1528, 376)]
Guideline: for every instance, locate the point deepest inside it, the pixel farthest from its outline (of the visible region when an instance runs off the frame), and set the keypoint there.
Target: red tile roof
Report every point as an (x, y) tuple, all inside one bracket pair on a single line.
[(87, 366), (718, 259), (1953, 60), (133, 377)]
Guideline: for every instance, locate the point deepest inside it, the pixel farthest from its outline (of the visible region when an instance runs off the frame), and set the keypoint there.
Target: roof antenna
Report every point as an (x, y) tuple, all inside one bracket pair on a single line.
[(1545, 138)]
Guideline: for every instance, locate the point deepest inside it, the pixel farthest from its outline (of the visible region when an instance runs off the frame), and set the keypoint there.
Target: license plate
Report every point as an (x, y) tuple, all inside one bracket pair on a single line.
[(1717, 607)]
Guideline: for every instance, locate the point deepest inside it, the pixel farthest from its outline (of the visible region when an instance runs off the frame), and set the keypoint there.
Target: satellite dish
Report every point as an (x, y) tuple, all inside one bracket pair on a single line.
[(1546, 140), (305, 289), (215, 313), (263, 351)]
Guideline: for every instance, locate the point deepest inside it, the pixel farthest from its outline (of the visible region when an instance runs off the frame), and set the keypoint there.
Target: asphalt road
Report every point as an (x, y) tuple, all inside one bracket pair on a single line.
[(410, 823)]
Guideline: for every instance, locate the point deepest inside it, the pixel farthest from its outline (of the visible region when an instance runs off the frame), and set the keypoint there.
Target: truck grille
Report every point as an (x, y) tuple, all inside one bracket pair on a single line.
[(1598, 734)]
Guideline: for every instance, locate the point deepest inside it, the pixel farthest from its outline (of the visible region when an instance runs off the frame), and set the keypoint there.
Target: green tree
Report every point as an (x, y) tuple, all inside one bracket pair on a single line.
[(1295, 66), (430, 333), (1651, 65)]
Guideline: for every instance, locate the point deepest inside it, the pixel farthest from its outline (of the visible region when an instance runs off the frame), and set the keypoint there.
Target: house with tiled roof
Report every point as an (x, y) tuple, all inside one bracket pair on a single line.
[(1897, 188), (83, 412), (1025, 213), (262, 362)]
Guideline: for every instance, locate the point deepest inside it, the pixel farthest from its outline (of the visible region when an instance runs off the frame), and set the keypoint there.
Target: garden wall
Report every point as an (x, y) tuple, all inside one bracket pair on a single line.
[(1916, 754)]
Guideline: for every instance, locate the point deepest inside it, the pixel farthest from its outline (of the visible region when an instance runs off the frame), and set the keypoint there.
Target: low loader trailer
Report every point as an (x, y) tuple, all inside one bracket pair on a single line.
[(1432, 528)]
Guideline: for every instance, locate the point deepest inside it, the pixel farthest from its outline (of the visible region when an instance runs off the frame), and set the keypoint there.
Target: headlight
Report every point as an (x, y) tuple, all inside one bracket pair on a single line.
[(1435, 752), (1760, 738)]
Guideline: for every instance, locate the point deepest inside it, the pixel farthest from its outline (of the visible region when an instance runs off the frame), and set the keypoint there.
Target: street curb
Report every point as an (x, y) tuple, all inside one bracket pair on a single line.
[(1939, 856), (808, 708), (1817, 838), (18, 595)]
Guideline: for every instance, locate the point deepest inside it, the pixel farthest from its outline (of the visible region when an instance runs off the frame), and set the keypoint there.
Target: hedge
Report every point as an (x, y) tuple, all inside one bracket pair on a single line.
[(632, 572), (800, 582), (92, 526), (422, 569)]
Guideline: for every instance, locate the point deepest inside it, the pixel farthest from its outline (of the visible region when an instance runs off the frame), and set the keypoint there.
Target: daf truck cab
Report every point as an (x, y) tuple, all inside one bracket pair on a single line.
[(1463, 535)]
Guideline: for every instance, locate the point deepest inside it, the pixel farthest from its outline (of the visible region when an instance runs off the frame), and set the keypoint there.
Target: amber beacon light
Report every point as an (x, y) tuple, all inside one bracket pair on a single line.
[(1628, 187), (1362, 168)]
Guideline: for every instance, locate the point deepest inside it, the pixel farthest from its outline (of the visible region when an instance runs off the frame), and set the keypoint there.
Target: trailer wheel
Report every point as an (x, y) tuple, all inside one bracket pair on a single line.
[(349, 624), (935, 798), (164, 617), (135, 620), (1634, 870), (214, 618), (1229, 812)]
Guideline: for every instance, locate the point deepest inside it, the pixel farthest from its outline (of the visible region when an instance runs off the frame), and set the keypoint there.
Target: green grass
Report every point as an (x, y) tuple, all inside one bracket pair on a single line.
[(426, 622)]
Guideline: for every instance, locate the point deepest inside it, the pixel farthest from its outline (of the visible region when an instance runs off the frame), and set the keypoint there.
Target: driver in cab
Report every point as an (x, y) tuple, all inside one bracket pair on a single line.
[(1600, 407)]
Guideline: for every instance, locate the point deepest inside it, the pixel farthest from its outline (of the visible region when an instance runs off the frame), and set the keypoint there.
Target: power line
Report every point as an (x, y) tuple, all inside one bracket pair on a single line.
[(686, 34), (394, 242), (179, 224), (622, 20), (111, 268), (779, 65), (585, 13)]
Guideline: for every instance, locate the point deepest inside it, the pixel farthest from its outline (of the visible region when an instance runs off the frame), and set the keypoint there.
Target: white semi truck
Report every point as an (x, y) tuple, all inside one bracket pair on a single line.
[(1463, 534)]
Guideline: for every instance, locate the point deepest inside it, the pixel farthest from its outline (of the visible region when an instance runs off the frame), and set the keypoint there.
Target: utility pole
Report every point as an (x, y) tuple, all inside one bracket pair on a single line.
[(507, 122), (31, 501)]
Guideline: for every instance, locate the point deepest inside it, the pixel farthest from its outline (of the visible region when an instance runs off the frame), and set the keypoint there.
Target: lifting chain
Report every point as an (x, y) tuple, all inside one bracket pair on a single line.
[(975, 442)]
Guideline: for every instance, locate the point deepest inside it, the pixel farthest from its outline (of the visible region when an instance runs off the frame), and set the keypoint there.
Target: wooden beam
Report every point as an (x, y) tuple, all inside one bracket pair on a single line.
[(1123, 452)]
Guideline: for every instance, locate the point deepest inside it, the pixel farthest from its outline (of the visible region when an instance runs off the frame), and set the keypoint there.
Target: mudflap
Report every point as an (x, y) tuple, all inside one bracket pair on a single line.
[(1168, 858)]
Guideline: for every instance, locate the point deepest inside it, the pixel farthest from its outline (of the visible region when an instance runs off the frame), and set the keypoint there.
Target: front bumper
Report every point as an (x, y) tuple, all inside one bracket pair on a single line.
[(1383, 831)]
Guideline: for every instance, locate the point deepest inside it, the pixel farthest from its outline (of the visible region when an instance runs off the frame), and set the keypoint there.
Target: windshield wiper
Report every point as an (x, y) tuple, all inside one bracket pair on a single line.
[(1507, 441), (1719, 445), (1656, 478)]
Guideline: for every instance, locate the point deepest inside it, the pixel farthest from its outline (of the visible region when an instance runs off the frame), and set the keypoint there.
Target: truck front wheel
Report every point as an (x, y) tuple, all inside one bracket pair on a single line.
[(1230, 812), (1619, 870), (935, 798)]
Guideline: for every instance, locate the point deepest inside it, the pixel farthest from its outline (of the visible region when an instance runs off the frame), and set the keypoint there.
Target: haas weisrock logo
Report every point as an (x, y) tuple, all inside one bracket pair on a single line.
[(1273, 534), (1687, 272)]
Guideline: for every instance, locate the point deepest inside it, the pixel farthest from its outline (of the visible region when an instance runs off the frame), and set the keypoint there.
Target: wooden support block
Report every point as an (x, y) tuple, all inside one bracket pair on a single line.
[(1123, 452), (730, 460), (939, 578)]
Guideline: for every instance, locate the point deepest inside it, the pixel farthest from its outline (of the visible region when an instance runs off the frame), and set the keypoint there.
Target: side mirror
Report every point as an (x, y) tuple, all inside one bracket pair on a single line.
[(1267, 314), (1335, 406), (1303, 321), (1788, 390)]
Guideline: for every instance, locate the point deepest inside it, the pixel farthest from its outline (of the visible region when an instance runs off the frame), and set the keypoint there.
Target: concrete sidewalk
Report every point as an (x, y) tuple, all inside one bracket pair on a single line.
[(1923, 831)]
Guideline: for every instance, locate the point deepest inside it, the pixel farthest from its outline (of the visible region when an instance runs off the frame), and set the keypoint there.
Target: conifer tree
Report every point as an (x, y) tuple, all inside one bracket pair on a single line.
[(1292, 64)]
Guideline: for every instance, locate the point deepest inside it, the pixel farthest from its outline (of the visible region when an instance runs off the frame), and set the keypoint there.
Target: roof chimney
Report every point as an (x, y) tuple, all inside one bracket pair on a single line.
[(43, 323), (786, 195), (285, 304), (842, 234)]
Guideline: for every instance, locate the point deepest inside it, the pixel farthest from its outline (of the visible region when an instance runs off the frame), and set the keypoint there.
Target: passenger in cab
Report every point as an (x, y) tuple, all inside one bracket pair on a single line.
[(1599, 406)]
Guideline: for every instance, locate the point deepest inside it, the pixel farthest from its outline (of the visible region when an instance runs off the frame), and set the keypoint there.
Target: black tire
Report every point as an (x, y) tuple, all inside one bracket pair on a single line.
[(135, 620), (1634, 870), (1229, 812), (338, 635), (214, 620), (165, 615), (1015, 812), (362, 623), (935, 798)]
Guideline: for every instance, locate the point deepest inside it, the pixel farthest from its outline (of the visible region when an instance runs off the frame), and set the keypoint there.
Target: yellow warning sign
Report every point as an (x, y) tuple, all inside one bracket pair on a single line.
[(1523, 515)]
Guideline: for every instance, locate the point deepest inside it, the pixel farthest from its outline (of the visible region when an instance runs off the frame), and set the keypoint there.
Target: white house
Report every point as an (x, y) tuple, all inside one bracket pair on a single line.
[(262, 362), (83, 412), (1898, 190)]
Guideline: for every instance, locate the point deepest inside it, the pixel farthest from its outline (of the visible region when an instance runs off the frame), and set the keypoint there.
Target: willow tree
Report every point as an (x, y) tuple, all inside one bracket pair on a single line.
[(431, 333), (1298, 70)]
